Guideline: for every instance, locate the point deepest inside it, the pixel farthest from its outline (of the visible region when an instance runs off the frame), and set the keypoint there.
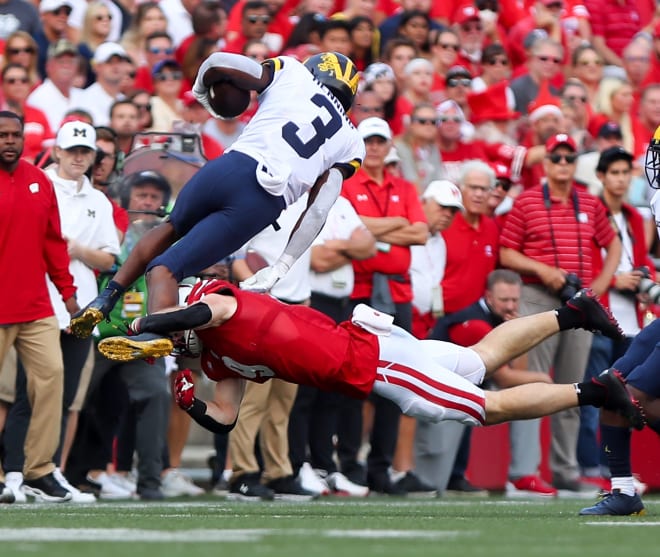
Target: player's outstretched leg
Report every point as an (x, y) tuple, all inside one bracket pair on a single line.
[(83, 322), (594, 316), (138, 347)]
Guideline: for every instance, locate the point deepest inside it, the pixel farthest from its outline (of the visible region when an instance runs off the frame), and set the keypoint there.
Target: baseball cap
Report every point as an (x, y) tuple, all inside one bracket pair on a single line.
[(76, 134), (610, 130), (46, 6), (393, 156), (559, 140), (467, 13), (169, 63), (502, 171), (458, 71), (377, 70), (107, 50), (370, 127), (613, 154), (444, 193), (61, 47)]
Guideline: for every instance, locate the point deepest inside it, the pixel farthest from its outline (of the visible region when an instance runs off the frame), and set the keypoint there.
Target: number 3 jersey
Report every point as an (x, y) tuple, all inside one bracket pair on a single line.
[(266, 338), (298, 132)]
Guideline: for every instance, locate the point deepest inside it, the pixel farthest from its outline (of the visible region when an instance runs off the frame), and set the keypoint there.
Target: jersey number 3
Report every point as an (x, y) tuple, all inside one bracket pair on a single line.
[(323, 131)]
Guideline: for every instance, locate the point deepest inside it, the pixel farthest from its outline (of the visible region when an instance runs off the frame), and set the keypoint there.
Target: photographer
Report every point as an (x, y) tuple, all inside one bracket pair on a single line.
[(623, 297), (549, 238)]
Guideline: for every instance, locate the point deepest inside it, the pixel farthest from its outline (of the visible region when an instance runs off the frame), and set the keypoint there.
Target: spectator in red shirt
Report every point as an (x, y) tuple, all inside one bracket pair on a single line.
[(15, 90), (255, 17), (613, 24), (417, 89), (444, 52), (209, 23), (471, 37)]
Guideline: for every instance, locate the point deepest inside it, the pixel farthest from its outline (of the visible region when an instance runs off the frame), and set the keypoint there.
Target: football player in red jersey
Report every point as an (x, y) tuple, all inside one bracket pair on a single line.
[(249, 336)]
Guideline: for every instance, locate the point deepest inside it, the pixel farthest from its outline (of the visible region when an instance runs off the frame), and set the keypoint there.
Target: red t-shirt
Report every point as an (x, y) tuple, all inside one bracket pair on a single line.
[(472, 253), (35, 131), (266, 338), (32, 245), (529, 228), (395, 197)]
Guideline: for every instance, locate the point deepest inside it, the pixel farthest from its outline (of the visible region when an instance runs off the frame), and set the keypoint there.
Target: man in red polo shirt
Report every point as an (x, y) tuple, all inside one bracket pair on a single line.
[(390, 208), (548, 237)]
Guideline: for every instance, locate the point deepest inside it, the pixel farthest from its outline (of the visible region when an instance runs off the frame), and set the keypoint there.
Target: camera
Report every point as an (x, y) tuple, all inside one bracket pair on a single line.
[(571, 287), (648, 286)]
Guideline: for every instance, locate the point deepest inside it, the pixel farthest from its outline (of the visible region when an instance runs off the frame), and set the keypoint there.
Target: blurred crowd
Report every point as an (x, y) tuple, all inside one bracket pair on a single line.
[(499, 134)]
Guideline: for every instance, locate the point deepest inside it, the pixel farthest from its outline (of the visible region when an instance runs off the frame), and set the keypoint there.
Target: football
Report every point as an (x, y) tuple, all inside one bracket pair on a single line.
[(227, 100)]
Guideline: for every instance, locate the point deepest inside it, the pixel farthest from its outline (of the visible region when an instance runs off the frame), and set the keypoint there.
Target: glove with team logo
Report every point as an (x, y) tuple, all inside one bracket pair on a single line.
[(184, 389)]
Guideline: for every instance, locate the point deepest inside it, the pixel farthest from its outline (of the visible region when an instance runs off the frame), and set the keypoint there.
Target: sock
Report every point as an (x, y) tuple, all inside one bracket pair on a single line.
[(568, 318), (114, 290), (590, 393), (624, 485), (616, 443)]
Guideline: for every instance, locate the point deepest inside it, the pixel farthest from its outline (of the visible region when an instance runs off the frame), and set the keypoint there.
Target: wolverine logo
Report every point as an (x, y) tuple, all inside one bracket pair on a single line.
[(331, 64)]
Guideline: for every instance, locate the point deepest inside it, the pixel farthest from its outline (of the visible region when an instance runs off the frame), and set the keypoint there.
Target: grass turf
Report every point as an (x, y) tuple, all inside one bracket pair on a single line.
[(331, 527)]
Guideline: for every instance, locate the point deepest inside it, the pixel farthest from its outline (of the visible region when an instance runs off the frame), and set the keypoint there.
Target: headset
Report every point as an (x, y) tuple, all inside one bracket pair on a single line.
[(108, 134)]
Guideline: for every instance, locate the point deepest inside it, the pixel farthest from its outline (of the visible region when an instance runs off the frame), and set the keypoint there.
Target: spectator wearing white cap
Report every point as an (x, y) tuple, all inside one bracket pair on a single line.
[(108, 64), (54, 26), (57, 95), (88, 228)]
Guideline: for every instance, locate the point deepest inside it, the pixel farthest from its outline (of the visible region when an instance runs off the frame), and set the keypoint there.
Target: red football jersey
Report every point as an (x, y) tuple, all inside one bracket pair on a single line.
[(266, 338)]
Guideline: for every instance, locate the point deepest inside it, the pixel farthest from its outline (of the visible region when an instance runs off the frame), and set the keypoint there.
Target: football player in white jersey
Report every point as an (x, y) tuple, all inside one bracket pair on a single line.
[(299, 140)]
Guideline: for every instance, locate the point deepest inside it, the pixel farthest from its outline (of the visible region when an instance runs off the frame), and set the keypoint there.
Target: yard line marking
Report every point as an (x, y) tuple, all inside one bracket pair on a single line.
[(133, 535)]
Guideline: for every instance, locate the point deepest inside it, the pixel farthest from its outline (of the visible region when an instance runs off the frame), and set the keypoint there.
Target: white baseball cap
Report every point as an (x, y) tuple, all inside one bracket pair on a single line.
[(444, 193), (107, 50), (76, 134), (46, 6), (370, 127)]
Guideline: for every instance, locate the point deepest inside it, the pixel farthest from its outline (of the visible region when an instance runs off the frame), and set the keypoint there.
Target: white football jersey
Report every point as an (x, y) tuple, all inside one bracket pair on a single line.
[(298, 132)]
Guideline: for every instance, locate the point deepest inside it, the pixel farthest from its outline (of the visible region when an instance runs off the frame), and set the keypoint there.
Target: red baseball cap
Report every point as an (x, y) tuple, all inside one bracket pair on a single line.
[(559, 140), (467, 13)]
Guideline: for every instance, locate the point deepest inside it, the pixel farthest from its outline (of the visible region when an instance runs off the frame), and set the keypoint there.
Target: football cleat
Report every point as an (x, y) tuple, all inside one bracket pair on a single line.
[(594, 316), (616, 504), (83, 322), (618, 399), (138, 347)]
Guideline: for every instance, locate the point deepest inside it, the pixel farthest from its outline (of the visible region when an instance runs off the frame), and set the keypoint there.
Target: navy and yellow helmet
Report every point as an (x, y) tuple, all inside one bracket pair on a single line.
[(338, 73), (653, 160)]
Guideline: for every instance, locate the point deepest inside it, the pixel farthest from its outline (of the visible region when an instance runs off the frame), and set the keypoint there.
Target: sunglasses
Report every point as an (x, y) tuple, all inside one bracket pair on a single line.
[(590, 62), (370, 109), (503, 183), (573, 98), (455, 119), (64, 10), (168, 76), (555, 6), (550, 59), (556, 158), (101, 17), (498, 62), (258, 18), (14, 80), (455, 82), (447, 46), (425, 121), (25, 49), (146, 107), (472, 27), (155, 50)]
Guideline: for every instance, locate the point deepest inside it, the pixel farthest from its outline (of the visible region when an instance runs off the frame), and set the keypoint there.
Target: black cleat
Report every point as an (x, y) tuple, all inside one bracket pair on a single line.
[(138, 347), (594, 316), (618, 399), (83, 322)]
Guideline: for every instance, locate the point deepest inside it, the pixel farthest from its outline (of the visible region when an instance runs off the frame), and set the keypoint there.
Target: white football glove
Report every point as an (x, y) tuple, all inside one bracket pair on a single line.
[(265, 279)]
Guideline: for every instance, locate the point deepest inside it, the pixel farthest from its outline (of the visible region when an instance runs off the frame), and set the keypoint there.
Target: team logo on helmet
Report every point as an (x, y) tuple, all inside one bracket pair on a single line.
[(652, 162), (337, 73)]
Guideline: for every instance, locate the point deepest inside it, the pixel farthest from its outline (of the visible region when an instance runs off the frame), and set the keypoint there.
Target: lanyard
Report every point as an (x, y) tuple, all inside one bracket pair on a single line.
[(383, 213)]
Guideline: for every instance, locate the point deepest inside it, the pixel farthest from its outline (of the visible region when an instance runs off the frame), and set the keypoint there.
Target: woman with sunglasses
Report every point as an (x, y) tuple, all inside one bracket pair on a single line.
[(21, 48), (418, 148), (94, 31), (14, 92)]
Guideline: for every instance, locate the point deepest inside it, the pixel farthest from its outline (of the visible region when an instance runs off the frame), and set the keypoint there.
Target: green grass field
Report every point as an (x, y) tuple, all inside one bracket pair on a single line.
[(332, 527)]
